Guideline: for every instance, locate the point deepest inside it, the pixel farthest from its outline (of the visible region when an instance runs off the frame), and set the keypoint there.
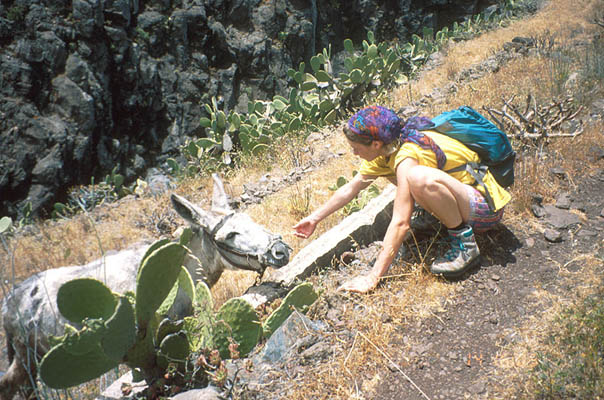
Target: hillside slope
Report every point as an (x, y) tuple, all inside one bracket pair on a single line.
[(421, 337), (416, 336)]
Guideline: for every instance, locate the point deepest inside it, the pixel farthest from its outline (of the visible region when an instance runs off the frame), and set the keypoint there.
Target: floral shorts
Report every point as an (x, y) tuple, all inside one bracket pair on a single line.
[(481, 217)]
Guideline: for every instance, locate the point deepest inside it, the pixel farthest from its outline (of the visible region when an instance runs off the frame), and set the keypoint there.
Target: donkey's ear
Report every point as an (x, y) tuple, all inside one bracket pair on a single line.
[(191, 213), (220, 200)]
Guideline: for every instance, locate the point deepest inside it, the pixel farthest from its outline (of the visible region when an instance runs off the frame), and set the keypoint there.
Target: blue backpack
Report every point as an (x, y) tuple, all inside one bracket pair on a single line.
[(487, 140)]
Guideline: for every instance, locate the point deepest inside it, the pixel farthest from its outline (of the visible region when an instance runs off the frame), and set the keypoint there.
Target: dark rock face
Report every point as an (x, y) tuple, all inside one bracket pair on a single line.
[(89, 85)]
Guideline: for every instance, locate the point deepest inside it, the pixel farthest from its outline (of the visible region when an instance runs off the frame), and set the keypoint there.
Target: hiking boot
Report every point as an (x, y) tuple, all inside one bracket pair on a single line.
[(424, 222), (461, 256)]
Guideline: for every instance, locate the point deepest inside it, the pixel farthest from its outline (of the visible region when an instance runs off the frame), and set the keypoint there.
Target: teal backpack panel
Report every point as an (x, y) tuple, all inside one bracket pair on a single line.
[(482, 136)]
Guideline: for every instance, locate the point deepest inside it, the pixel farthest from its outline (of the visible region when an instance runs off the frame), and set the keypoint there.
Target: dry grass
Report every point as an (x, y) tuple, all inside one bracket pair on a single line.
[(83, 238), (411, 294), (357, 370)]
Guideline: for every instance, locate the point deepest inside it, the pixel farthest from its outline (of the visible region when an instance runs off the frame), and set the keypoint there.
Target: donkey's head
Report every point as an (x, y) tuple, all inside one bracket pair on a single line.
[(239, 241)]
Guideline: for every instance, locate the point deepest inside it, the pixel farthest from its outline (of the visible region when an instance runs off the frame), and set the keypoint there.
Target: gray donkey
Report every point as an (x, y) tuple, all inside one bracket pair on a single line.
[(222, 239)]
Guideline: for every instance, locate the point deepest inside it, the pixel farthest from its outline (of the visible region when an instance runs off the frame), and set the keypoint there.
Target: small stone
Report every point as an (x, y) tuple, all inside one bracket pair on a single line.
[(495, 277), (537, 199), (563, 201), (386, 318), (587, 233), (552, 235), (559, 172), (530, 242), (538, 211), (597, 152)]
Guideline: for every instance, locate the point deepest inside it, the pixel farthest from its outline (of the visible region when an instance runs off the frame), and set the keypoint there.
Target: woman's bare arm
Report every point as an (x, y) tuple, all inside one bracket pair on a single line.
[(395, 234)]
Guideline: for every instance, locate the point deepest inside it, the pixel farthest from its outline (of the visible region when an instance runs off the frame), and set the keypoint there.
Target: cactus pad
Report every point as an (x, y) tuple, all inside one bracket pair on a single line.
[(203, 299), (85, 298), (244, 325), (154, 246), (82, 341), (143, 353), (173, 349), (168, 326), (120, 331), (60, 369), (186, 236), (185, 282), (199, 332), (300, 298), (156, 276)]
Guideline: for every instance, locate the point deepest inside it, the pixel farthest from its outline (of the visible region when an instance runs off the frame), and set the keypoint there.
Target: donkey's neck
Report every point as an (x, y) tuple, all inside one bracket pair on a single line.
[(209, 265)]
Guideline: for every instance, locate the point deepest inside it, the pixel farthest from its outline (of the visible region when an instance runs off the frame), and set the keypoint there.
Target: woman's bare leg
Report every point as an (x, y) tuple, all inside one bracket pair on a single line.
[(440, 194)]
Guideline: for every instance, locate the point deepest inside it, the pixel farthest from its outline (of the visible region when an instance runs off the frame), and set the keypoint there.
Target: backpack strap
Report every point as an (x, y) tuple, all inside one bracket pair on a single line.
[(477, 171)]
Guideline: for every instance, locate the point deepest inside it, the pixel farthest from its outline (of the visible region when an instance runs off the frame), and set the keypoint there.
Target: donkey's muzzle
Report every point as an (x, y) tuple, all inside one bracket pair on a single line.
[(278, 254)]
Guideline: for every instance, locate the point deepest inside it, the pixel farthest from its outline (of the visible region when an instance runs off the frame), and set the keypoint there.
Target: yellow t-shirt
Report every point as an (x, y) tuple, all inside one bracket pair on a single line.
[(457, 154)]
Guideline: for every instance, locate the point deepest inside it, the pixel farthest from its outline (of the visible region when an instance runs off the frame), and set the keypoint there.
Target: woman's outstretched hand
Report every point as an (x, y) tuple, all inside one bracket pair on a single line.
[(305, 227), (361, 284)]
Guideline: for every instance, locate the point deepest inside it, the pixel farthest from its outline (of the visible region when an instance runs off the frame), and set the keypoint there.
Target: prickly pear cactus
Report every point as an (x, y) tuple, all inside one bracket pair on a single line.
[(82, 341), (101, 344), (154, 246), (184, 282), (114, 331), (85, 298), (120, 331), (156, 277), (244, 327), (199, 326), (60, 369), (186, 236), (168, 326), (174, 348), (142, 354), (203, 299), (300, 298)]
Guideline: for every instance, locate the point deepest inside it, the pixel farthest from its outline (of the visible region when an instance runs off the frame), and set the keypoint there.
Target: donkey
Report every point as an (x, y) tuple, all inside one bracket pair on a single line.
[(222, 239)]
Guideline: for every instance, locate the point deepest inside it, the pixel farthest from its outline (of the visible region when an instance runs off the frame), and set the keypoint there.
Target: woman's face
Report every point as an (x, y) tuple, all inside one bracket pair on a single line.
[(367, 152)]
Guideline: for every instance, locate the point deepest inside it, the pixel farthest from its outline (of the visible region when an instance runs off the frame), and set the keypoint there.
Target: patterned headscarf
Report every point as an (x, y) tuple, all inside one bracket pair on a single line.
[(380, 123), (376, 123)]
